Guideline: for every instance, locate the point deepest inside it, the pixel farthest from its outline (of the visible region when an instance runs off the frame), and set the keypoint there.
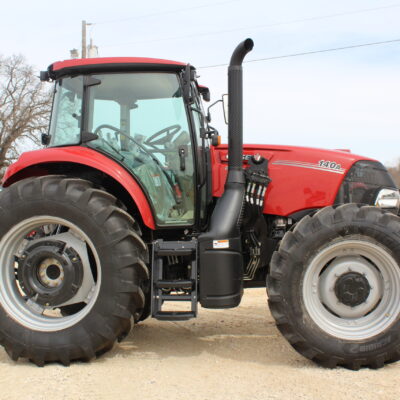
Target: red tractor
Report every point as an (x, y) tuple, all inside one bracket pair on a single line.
[(134, 205)]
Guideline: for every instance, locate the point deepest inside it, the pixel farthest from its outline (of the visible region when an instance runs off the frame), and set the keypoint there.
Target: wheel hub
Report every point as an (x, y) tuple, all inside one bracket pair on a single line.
[(352, 289), (50, 272), (350, 286), (334, 274)]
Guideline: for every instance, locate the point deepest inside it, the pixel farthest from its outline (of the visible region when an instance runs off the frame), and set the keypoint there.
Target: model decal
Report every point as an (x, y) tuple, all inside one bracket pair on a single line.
[(330, 165), (326, 166)]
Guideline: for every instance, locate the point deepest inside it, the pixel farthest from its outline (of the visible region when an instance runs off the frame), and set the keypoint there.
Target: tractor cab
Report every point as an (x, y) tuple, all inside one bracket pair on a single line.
[(150, 122)]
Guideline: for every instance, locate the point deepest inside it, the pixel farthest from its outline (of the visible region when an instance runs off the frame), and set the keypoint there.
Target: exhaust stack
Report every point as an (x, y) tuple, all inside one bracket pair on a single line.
[(235, 119), (221, 260)]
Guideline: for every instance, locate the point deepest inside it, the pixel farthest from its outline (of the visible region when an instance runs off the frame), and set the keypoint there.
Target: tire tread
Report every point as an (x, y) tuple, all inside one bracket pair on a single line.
[(131, 269), (342, 219)]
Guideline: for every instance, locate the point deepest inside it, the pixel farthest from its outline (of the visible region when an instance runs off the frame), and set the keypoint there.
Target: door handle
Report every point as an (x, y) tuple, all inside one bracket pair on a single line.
[(182, 155)]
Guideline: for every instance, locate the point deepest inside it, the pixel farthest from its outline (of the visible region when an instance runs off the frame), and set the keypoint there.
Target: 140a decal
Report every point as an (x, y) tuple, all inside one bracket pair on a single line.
[(330, 165)]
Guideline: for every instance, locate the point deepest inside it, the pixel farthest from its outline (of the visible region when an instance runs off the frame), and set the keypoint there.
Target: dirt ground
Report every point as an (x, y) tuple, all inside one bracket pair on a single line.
[(223, 354)]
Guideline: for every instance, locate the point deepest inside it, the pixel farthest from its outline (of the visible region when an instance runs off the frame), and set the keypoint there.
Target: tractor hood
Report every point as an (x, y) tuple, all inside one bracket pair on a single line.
[(302, 178), (340, 159)]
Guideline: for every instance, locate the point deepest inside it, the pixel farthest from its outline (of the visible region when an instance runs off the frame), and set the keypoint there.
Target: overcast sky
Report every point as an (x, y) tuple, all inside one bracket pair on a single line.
[(343, 99)]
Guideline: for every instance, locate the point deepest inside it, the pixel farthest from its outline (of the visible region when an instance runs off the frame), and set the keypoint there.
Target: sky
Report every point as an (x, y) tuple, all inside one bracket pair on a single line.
[(347, 99)]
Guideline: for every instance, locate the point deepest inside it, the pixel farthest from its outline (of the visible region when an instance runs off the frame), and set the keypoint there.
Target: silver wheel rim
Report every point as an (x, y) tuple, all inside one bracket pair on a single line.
[(382, 306), (26, 312)]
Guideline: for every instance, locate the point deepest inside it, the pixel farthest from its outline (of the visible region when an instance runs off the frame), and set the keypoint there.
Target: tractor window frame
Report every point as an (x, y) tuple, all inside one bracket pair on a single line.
[(196, 110), (199, 217), (86, 123), (55, 114)]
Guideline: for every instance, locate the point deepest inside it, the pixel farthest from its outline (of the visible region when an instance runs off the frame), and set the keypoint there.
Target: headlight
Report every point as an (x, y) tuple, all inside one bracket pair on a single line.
[(363, 182), (389, 199)]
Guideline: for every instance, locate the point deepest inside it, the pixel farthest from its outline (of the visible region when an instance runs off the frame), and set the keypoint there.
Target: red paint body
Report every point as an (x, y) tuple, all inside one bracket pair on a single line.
[(82, 156), (58, 65), (293, 188)]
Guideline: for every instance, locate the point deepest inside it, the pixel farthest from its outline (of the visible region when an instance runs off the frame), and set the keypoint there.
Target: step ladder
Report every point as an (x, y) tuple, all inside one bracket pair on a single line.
[(162, 249)]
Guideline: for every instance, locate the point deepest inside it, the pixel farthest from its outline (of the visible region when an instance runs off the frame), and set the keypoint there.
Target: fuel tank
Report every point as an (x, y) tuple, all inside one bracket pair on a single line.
[(302, 177)]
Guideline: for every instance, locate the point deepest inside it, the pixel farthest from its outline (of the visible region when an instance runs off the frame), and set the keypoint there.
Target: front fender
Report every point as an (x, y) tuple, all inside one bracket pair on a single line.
[(81, 156)]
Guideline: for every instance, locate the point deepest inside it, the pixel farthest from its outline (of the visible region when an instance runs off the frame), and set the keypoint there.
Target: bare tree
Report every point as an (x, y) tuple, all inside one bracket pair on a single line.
[(24, 109), (395, 172)]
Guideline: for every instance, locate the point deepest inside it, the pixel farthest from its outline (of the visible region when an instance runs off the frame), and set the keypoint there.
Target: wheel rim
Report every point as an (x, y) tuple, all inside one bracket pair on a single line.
[(48, 274), (351, 289)]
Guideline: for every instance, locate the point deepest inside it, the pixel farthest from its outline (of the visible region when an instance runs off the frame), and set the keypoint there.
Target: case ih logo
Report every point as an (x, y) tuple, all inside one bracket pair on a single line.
[(323, 165)]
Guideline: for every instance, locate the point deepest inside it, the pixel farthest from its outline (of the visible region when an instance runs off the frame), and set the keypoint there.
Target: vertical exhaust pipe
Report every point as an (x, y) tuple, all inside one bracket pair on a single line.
[(220, 249), (235, 118)]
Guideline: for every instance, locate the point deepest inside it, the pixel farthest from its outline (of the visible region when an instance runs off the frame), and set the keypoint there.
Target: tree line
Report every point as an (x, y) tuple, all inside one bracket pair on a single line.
[(25, 105), (395, 172)]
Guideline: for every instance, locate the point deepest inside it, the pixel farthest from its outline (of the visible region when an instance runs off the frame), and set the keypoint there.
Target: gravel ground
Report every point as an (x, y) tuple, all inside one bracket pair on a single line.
[(223, 354)]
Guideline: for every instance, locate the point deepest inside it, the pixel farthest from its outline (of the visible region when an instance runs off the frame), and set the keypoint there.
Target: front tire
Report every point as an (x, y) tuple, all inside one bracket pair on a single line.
[(71, 270), (334, 287)]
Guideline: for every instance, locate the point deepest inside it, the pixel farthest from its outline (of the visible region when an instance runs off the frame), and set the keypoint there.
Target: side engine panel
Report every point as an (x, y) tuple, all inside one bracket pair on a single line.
[(302, 178)]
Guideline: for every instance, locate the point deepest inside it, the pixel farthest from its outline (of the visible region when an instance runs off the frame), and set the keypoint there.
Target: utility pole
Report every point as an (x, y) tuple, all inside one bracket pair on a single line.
[(84, 47), (83, 39)]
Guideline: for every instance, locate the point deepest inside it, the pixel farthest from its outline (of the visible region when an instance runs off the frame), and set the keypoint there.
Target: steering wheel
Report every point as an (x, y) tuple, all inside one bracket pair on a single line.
[(122, 133), (163, 136), (155, 159)]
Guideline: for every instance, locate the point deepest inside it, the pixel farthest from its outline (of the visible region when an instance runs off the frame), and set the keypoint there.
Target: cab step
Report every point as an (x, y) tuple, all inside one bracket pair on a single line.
[(166, 290), (162, 284)]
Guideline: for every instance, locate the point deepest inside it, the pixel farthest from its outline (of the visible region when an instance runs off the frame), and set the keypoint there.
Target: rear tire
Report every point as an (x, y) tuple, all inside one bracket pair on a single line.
[(147, 306), (115, 263), (334, 287)]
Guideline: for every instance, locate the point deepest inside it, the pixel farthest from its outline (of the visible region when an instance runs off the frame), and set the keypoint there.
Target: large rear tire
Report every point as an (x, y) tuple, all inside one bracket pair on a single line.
[(334, 287), (71, 270), (146, 312)]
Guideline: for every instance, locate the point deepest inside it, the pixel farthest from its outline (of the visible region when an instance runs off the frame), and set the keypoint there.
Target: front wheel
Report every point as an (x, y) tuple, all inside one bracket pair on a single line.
[(334, 287), (71, 270)]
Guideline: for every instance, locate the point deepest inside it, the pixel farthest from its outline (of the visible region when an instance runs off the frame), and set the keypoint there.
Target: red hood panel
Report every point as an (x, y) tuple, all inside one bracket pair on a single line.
[(301, 177)]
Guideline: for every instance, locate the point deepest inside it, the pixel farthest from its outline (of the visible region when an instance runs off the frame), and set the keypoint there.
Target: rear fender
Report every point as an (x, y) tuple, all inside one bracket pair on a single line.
[(38, 163)]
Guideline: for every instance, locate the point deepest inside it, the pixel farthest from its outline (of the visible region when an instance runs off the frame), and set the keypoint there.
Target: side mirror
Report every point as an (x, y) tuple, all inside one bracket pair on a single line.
[(225, 102), (44, 76), (45, 139), (205, 92)]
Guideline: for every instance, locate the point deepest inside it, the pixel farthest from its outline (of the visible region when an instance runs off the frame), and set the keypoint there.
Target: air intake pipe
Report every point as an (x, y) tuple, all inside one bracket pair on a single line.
[(221, 260)]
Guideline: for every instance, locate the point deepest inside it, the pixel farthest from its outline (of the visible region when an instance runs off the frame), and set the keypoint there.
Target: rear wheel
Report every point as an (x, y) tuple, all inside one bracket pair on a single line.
[(334, 287), (71, 270), (147, 308)]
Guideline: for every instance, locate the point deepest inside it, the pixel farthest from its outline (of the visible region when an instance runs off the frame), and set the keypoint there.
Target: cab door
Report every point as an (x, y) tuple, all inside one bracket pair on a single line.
[(203, 173)]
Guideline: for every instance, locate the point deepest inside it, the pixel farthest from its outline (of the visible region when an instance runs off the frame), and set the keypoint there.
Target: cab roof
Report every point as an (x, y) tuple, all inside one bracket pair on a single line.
[(111, 64)]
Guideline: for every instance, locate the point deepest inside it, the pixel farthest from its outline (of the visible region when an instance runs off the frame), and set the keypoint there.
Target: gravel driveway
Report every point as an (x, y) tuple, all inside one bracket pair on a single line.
[(223, 354)]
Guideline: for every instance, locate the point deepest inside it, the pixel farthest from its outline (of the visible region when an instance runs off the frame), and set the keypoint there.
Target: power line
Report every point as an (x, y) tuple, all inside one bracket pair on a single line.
[(281, 23), (308, 52), (165, 12)]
